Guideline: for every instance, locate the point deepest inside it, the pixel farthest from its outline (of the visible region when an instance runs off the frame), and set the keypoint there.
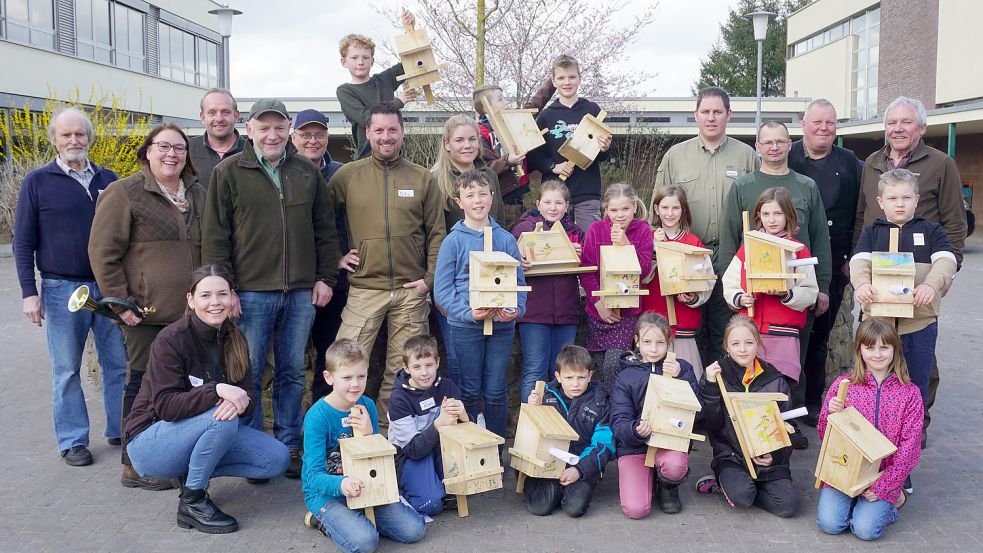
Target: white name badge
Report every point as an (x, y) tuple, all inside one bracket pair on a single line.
[(732, 174), (195, 381), (428, 403), (405, 193), (346, 422), (919, 238)]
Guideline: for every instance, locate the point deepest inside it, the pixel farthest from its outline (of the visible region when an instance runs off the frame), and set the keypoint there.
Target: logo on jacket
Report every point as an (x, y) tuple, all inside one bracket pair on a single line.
[(562, 129)]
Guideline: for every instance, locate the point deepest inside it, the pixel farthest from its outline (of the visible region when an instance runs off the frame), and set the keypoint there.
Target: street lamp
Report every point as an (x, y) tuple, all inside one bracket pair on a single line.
[(225, 16), (760, 21)]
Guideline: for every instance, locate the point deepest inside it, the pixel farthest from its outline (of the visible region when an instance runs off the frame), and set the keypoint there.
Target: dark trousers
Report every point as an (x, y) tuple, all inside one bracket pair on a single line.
[(933, 388), (543, 495), (327, 321), (715, 315), (778, 497), (137, 340), (814, 364)]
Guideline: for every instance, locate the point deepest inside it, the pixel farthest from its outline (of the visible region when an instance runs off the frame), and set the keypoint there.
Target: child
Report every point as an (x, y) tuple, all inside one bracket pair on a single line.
[(585, 406), (635, 480), (363, 91), (481, 361), (461, 147), (935, 265), (561, 119), (605, 328), (329, 420), (671, 221), (421, 402), (779, 316), (552, 312), (882, 391), (741, 370)]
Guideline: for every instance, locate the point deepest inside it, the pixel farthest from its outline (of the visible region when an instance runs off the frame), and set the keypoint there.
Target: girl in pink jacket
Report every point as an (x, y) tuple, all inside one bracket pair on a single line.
[(882, 391)]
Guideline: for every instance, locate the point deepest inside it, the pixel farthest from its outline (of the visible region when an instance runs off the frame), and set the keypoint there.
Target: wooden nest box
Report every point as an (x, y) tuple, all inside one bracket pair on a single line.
[(582, 147), (471, 461), (370, 459), (420, 68), (620, 276), (493, 280), (541, 431), (757, 422), (515, 129), (682, 268), (670, 407), (550, 252), (892, 275)]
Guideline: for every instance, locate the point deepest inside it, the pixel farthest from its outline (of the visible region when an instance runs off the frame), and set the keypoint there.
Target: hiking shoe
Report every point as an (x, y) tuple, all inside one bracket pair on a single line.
[(114, 441), (77, 456), (296, 465), (908, 487), (311, 521), (131, 479), (708, 484)]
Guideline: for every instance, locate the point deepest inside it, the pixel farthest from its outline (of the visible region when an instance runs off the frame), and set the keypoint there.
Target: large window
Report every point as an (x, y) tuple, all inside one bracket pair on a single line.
[(207, 63), (92, 21), (130, 53), (187, 58), (31, 22)]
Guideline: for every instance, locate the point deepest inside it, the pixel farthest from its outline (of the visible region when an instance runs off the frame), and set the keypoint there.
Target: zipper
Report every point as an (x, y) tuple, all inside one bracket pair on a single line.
[(283, 223), (389, 243), (877, 405)]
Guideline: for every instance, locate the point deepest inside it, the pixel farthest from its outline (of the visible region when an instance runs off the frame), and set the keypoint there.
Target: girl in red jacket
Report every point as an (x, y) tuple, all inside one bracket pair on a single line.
[(671, 220)]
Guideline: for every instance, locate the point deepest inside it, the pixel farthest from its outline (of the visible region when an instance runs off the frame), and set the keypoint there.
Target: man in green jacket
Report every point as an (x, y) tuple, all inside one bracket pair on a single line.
[(270, 219), (396, 224)]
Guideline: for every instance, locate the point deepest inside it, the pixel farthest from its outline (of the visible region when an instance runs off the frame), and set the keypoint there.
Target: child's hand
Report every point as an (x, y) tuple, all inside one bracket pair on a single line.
[(686, 297), (349, 262), (409, 20), (924, 294), (618, 237), (670, 368), (606, 314), (644, 429), (351, 487), (526, 264), (483, 313), (578, 249), (747, 300), (534, 398), (869, 495), (507, 316), (455, 407), (835, 405), (763, 461), (515, 159), (604, 142), (360, 419), (659, 235), (865, 293), (564, 169), (445, 417), (407, 95), (569, 476), (712, 372)]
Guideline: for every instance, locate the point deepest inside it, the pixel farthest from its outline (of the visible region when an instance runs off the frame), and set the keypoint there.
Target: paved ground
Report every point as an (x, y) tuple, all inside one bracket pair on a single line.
[(47, 506)]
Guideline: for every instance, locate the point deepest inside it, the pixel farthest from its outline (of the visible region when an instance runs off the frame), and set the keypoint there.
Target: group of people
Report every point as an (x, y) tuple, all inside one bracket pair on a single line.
[(245, 246)]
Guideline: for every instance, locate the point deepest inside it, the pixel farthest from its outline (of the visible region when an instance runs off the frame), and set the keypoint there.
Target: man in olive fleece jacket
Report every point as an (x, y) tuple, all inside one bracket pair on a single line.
[(269, 218), (396, 224)]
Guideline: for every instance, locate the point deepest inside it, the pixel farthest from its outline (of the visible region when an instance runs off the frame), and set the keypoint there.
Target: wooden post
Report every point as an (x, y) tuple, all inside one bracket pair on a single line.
[(462, 506), (489, 323), (357, 433), (746, 219), (671, 309), (893, 240), (725, 397), (845, 383), (650, 452)]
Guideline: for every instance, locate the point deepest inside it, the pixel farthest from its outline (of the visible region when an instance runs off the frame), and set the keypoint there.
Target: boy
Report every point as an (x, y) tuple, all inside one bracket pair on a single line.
[(584, 405), (421, 403), (480, 362), (512, 186), (329, 420), (935, 265), (561, 119), (363, 92)]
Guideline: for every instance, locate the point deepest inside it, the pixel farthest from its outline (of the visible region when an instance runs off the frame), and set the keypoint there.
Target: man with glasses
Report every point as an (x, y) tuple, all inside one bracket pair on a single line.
[(270, 219), (219, 114), (774, 144)]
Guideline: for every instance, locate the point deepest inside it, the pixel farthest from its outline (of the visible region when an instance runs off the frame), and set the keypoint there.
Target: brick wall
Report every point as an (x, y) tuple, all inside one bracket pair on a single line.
[(908, 46)]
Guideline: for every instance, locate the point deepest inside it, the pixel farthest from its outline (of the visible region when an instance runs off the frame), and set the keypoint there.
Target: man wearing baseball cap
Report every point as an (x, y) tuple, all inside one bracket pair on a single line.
[(270, 219)]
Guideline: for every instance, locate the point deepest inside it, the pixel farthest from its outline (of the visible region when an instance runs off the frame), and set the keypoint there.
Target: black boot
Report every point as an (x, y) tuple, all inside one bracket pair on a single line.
[(196, 510), (668, 493)]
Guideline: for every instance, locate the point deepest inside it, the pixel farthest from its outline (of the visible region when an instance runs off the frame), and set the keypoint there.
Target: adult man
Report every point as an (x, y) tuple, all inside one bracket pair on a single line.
[(939, 189), (54, 216), (270, 220), (836, 172), (706, 167), (397, 233), (773, 144), (219, 114)]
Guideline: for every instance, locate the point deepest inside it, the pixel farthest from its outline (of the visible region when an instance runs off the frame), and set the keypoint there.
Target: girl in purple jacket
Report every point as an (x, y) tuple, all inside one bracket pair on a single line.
[(552, 310), (882, 391)]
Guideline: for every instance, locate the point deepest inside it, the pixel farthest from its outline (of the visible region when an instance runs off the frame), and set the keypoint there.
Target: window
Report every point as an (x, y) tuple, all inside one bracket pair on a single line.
[(129, 43), (92, 21), (867, 27), (187, 58), (31, 22), (207, 63)]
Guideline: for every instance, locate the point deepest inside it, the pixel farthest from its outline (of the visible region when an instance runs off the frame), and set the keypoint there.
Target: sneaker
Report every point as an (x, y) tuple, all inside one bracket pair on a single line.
[(77, 456), (908, 487), (296, 465), (707, 485), (311, 521)]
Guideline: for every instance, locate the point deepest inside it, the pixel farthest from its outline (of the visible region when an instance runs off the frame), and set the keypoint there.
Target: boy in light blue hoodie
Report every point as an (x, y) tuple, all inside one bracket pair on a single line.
[(481, 361)]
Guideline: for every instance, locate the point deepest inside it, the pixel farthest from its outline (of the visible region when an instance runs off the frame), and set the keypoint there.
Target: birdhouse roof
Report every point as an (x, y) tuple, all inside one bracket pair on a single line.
[(682, 248), (494, 258), (862, 434), (470, 435), (620, 259), (674, 392), (373, 445), (893, 263), (549, 422), (783, 243)]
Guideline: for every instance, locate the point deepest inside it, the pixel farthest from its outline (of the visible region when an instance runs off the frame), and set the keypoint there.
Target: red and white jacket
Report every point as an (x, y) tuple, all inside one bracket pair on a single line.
[(688, 317)]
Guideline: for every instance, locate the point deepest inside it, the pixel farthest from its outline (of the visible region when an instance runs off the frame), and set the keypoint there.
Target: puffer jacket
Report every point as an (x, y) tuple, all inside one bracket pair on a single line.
[(588, 414)]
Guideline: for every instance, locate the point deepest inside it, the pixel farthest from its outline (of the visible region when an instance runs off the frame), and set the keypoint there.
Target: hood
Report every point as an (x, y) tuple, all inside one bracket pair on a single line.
[(478, 234), (885, 223), (402, 380)]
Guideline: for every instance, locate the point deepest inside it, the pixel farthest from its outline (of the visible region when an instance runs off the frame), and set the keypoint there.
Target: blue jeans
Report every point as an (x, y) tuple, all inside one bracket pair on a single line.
[(352, 532), (866, 519), (540, 345), (204, 448), (919, 352), (288, 317), (450, 364), (483, 362), (420, 482), (66, 341)]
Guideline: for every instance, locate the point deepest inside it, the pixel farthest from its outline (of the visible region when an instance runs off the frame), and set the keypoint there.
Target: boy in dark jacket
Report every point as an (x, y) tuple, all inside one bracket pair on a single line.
[(421, 402), (584, 405)]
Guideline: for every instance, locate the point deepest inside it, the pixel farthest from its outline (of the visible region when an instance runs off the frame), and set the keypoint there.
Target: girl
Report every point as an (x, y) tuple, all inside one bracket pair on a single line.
[(671, 220), (653, 339), (461, 151), (552, 313), (882, 391), (779, 316), (620, 226), (741, 370)]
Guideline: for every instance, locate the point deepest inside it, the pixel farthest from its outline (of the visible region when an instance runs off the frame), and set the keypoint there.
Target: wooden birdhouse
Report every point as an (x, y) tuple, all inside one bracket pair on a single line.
[(515, 129), (550, 252), (471, 461), (892, 275), (420, 68), (770, 261), (620, 277), (682, 268), (542, 437), (493, 280), (582, 147), (670, 407), (852, 450), (372, 460), (757, 422)]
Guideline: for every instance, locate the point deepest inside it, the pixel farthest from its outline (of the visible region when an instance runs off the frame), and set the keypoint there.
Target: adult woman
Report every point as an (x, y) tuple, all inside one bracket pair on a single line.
[(185, 420), (144, 244)]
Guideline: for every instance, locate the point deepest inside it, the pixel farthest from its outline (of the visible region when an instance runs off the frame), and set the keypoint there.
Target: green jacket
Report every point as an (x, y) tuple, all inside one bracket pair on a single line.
[(395, 220), (270, 240)]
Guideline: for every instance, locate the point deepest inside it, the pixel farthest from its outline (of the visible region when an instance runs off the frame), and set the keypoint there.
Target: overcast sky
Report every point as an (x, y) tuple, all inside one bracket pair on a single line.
[(284, 48)]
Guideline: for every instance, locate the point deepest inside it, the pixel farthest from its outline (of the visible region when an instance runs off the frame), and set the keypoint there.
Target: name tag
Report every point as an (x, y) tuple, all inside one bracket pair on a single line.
[(195, 381), (405, 193), (428, 403), (731, 173), (919, 238), (345, 422)]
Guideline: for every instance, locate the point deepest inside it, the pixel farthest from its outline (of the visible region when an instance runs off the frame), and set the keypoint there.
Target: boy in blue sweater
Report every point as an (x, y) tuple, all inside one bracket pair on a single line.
[(584, 405), (422, 402), (481, 361), (325, 487)]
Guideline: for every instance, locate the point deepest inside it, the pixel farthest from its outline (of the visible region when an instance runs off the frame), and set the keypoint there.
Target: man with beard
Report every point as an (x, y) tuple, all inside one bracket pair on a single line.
[(219, 114)]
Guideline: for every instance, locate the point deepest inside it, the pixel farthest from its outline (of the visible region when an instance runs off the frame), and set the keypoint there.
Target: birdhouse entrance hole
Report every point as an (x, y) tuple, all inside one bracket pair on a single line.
[(481, 461), (372, 473)]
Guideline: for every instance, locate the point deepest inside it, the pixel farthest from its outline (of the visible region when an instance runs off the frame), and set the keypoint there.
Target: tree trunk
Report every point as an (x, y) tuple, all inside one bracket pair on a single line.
[(479, 68)]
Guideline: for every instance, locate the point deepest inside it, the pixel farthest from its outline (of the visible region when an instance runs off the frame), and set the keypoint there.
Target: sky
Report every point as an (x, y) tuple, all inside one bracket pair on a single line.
[(283, 48)]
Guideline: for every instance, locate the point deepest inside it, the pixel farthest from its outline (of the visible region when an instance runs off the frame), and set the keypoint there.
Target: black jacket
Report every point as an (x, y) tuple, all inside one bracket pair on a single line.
[(561, 121), (412, 412), (588, 414)]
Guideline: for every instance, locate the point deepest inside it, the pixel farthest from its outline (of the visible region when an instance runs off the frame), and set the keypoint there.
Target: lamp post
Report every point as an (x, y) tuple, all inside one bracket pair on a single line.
[(760, 21), (225, 16)]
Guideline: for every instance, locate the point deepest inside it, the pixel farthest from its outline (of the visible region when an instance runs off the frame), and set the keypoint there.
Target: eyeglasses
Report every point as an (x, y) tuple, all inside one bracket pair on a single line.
[(307, 137), (772, 143), (164, 147)]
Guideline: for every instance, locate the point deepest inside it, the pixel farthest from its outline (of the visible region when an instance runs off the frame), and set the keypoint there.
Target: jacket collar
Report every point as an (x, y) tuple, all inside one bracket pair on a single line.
[(150, 183), (734, 373), (879, 160), (207, 332), (54, 168), (248, 155), (885, 223), (386, 163), (240, 141)]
